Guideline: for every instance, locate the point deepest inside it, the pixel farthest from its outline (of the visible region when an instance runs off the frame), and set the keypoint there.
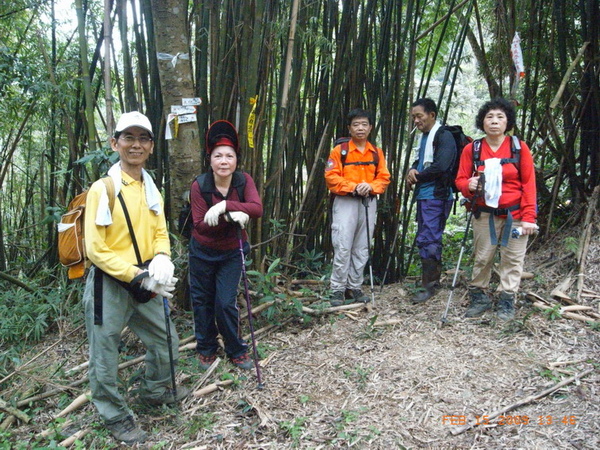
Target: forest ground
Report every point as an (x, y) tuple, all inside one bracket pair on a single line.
[(346, 380)]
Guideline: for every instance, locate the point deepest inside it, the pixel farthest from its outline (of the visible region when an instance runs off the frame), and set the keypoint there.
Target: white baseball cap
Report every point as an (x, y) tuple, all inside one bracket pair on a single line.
[(134, 119)]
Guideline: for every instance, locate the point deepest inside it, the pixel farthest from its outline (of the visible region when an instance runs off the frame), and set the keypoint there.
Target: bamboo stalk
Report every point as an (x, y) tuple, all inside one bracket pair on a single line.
[(565, 79), (521, 402), (584, 244)]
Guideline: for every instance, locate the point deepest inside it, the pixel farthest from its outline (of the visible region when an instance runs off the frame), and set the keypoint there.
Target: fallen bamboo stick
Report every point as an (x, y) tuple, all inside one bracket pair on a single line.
[(333, 309), (567, 314), (48, 431), (384, 323), (78, 435), (314, 282), (83, 399), (14, 411), (576, 308), (211, 388), (207, 374), (7, 422), (258, 309), (521, 402)]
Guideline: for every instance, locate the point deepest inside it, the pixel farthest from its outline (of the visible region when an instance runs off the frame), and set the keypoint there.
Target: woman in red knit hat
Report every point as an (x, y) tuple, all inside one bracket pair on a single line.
[(222, 202)]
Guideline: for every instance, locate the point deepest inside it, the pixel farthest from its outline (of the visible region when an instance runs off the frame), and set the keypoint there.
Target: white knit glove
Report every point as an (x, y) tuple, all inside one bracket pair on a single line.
[(164, 290), (161, 268), (212, 215), (239, 217)]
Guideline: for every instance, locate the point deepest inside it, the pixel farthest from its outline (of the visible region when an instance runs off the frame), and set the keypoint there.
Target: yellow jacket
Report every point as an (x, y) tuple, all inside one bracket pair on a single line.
[(110, 248)]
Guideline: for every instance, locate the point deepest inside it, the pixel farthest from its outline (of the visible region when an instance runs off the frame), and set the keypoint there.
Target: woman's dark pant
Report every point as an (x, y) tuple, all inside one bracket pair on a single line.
[(214, 279)]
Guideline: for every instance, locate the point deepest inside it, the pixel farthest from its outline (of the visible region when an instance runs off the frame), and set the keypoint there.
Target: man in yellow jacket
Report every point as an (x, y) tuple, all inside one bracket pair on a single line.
[(119, 289), (356, 173)]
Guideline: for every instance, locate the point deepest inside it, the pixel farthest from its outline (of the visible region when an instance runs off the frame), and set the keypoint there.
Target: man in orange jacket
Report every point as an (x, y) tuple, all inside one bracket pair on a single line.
[(355, 171)]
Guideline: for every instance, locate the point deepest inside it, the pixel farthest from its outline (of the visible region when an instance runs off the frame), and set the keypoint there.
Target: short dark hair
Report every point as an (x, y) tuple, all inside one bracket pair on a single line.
[(501, 104), (428, 105), (358, 112)]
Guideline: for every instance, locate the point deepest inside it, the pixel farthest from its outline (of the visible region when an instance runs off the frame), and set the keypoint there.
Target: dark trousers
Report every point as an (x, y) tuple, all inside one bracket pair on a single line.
[(431, 221), (214, 278)]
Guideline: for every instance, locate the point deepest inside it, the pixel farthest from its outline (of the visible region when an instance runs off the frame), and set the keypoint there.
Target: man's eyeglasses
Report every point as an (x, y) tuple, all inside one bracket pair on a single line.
[(143, 140)]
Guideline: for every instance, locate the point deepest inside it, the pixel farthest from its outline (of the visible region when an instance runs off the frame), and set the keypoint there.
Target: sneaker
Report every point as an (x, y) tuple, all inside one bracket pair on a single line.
[(359, 297), (205, 361), (336, 298), (480, 303), (127, 431), (167, 397), (505, 309), (243, 362)]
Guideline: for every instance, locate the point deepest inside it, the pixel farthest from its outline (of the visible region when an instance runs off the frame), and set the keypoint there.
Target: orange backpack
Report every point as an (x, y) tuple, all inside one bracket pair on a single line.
[(71, 242)]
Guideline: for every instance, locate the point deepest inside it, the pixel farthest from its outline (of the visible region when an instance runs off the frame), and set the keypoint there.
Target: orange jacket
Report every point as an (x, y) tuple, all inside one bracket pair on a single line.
[(343, 180)]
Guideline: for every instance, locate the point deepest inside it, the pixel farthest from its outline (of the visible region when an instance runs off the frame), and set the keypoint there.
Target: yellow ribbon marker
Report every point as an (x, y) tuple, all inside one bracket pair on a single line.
[(251, 119), (175, 127)]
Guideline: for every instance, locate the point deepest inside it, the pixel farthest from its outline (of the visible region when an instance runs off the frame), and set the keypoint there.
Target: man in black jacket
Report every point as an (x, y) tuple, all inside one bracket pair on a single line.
[(431, 175)]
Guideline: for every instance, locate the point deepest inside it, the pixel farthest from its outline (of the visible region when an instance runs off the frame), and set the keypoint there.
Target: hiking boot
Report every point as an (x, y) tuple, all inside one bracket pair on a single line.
[(127, 431), (432, 270), (505, 310), (243, 361), (205, 361), (167, 397), (336, 298), (359, 297), (480, 303), (425, 294)]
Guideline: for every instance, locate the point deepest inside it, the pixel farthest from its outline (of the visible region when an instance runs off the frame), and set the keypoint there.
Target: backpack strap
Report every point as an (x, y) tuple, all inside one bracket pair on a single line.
[(110, 190), (344, 153), (206, 185), (98, 275), (238, 181), (515, 151), (206, 182)]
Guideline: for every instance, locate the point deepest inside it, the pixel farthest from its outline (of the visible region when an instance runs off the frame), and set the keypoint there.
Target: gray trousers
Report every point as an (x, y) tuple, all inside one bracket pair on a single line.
[(147, 321), (349, 239)]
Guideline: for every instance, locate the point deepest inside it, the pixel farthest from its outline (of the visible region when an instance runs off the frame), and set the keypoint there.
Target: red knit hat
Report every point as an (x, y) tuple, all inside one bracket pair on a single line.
[(222, 132)]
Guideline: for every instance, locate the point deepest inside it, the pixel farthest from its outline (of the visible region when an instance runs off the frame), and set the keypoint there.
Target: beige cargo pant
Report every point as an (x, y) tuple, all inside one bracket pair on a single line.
[(511, 257)]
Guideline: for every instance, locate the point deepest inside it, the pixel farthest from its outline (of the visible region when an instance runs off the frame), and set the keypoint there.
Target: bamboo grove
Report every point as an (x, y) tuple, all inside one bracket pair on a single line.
[(294, 68)]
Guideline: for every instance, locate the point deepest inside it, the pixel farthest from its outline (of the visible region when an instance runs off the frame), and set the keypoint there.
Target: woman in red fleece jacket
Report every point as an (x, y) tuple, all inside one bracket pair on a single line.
[(215, 264), (515, 209)]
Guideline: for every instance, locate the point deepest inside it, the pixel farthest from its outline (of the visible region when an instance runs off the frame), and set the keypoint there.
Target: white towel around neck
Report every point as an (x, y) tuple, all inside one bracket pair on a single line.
[(103, 215), (428, 153), (493, 181)]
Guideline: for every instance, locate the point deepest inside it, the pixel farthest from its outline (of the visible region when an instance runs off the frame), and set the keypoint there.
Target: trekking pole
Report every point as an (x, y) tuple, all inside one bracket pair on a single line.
[(365, 201), (170, 345), (249, 307), (478, 191)]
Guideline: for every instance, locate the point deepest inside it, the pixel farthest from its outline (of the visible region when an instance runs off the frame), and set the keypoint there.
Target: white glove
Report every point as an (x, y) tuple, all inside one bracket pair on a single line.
[(161, 268), (164, 290), (212, 215), (239, 217)]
